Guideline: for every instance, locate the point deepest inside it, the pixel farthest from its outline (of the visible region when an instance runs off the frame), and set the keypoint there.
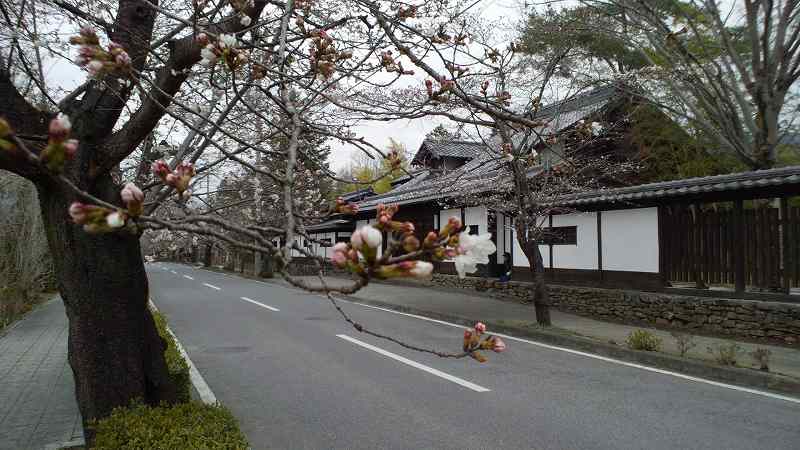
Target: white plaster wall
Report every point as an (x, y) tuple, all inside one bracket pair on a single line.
[(630, 240), (520, 260), (446, 214), (583, 255), (476, 215)]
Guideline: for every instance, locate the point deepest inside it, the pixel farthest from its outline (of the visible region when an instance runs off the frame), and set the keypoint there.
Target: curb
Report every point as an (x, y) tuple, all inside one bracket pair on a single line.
[(747, 378), (736, 376)]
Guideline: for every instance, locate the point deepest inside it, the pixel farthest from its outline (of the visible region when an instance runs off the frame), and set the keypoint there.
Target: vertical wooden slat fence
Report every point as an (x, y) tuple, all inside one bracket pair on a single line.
[(700, 246)]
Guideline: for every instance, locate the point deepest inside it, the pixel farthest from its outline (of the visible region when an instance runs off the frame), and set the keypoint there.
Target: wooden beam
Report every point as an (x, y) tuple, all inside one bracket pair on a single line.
[(784, 250), (738, 248), (600, 245)]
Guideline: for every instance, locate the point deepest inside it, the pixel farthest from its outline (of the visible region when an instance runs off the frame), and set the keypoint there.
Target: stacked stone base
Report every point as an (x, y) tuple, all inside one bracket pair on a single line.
[(757, 320)]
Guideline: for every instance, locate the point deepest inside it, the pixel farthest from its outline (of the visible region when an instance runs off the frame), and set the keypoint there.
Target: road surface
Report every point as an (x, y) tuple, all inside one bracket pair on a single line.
[(298, 377)]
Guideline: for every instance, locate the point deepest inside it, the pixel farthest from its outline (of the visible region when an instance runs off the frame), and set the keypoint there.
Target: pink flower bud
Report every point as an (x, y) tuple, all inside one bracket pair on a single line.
[(171, 179), (421, 269), (94, 67), (131, 193), (160, 169), (480, 328), (60, 127), (467, 334), (202, 39), (340, 247), (123, 59), (70, 148), (355, 239), (498, 345), (339, 259), (78, 212)]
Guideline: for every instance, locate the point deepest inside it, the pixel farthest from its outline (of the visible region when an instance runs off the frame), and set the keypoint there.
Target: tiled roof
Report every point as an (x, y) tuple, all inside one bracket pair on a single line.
[(332, 225), (566, 112), (449, 149), (783, 176)]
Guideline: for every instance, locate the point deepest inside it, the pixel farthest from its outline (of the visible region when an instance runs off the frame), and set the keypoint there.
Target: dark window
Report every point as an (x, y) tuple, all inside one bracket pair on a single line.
[(344, 239), (560, 236), (306, 244), (326, 242), (473, 229)]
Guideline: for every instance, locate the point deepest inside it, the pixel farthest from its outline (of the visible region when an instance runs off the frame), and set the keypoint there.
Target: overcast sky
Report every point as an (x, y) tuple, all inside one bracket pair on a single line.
[(66, 76)]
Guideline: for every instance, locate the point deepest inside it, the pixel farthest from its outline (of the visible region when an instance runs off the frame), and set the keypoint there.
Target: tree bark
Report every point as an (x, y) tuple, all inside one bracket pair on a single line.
[(115, 351), (541, 294), (207, 255)]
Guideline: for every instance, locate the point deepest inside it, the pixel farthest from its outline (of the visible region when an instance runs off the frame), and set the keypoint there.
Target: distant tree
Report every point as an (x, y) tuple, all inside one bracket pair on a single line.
[(378, 174)]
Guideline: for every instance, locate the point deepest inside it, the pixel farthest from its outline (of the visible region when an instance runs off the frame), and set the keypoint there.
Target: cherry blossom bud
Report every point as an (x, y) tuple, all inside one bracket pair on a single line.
[(245, 21), (498, 345), (371, 236), (123, 59), (356, 240), (133, 198), (78, 212), (480, 328), (171, 179), (467, 334), (453, 226), (339, 259), (429, 87), (115, 220), (421, 269), (430, 240), (160, 169), (410, 243), (202, 39), (60, 127), (70, 148), (94, 67)]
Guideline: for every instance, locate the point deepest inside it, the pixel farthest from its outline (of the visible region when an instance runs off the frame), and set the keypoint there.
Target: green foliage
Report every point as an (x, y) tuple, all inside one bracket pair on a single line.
[(670, 153), (191, 425), (725, 354), (365, 172), (643, 340), (177, 366)]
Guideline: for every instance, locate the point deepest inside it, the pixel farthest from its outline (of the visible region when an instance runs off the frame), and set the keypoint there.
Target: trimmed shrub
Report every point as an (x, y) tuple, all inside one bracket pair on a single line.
[(192, 425), (725, 354), (684, 342), (761, 357), (643, 340), (178, 369)]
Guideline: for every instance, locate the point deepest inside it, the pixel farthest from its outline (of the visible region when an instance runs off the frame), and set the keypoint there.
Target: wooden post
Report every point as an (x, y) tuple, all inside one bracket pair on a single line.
[(738, 245), (550, 224), (600, 245), (786, 268)]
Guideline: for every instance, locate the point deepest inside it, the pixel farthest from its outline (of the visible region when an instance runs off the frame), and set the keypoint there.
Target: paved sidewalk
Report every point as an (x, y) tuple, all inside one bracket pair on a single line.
[(470, 304), (37, 394)]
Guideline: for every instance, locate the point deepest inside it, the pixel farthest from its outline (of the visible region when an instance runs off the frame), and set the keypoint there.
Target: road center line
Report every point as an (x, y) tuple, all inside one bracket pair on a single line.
[(211, 286), (174, 272), (188, 277), (416, 365), (601, 358), (259, 304)]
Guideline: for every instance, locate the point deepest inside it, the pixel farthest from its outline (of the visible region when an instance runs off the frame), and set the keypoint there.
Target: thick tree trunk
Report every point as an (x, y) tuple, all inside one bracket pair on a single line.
[(207, 255), (541, 295), (115, 352)]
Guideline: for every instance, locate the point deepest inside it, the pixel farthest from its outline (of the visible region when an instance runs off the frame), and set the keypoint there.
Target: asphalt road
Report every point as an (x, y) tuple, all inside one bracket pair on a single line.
[(296, 379)]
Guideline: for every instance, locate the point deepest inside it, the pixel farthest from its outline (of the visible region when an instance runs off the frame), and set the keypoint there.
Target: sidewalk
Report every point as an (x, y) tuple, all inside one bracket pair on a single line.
[(470, 304), (37, 394)]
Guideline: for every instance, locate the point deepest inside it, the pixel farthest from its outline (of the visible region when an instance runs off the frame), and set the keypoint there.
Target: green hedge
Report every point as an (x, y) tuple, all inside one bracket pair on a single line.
[(178, 369), (192, 425)]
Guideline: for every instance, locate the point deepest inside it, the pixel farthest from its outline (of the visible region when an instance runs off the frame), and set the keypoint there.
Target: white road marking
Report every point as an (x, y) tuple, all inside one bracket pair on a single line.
[(259, 304), (601, 358), (188, 277), (174, 272), (415, 364), (211, 286), (205, 392)]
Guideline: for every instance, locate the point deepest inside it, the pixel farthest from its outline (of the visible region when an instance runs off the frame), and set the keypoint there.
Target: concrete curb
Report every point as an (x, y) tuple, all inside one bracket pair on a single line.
[(748, 378), (737, 376)]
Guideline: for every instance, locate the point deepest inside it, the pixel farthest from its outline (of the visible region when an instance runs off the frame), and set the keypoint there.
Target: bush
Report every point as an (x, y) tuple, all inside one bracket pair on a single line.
[(761, 357), (191, 425), (725, 354), (177, 366), (643, 340), (684, 342)]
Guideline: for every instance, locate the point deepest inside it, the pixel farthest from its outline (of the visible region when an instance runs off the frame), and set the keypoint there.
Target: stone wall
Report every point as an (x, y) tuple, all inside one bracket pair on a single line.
[(306, 266), (766, 321)]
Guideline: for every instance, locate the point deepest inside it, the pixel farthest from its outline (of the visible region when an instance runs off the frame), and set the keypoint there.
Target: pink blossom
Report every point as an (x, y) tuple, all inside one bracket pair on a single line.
[(185, 169), (339, 259), (78, 212), (123, 59), (70, 148), (171, 179), (498, 345), (480, 327), (355, 239), (115, 220), (160, 168), (422, 269), (94, 67), (467, 333), (340, 247), (60, 127), (131, 193), (202, 38)]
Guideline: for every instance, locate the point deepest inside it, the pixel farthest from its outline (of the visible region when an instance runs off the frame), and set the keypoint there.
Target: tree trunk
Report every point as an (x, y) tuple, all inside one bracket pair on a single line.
[(115, 352), (207, 255), (541, 295)]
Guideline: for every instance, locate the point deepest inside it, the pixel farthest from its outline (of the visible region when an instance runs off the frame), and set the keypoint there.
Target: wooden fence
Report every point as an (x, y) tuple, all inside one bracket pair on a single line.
[(702, 246)]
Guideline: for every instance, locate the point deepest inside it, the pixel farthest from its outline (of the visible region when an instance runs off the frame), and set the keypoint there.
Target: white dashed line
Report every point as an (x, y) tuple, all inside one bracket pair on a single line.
[(259, 304), (188, 277), (601, 358), (416, 365), (211, 286), (175, 273)]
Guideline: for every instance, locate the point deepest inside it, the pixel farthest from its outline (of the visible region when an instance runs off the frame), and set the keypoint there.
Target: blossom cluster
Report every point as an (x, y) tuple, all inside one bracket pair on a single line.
[(95, 58), (473, 343), (225, 48), (323, 55), (445, 86), (178, 179), (390, 64), (59, 147), (343, 207), (96, 219)]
